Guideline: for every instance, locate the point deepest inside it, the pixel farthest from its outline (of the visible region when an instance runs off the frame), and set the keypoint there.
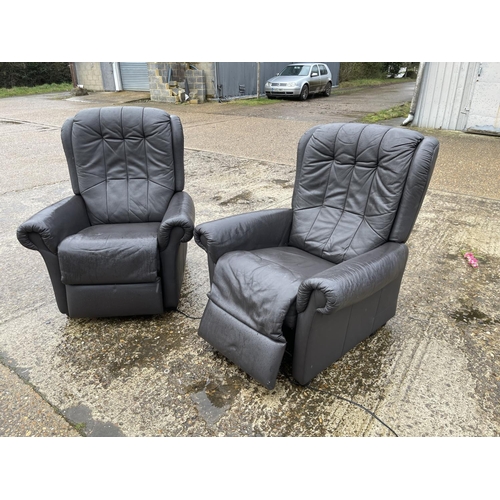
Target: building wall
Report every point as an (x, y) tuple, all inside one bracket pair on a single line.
[(445, 95), (460, 96), (208, 69), (484, 113), (89, 75), (167, 81)]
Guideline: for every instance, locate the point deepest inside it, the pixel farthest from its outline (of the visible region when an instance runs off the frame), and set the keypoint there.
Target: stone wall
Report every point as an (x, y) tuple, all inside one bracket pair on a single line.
[(89, 75), (167, 81)]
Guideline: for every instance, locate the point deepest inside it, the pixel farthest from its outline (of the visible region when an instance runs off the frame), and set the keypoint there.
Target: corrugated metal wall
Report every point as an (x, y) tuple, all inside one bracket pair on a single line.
[(240, 78), (236, 79), (445, 95), (484, 114)]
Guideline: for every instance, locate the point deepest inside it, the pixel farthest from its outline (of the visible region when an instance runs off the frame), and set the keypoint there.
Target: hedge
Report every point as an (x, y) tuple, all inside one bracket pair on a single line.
[(31, 74)]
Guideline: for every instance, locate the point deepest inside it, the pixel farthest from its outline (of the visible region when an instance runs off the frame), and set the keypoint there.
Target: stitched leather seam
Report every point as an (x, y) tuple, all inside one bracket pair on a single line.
[(147, 166), (105, 167), (369, 192), (297, 278), (377, 309), (92, 187), (324, 196), (345, 199), (73, 155), (354, 167), (371, 227), (161, 185), (346, 330), (326, 188), (347, 192), (126, 163), (319, 211), (406, 181), (299, 167)]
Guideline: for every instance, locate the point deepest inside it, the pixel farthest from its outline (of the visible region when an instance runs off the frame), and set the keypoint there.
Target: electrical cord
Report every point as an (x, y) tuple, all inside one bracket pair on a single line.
[(317, 389), (187, 315), (293, 382)]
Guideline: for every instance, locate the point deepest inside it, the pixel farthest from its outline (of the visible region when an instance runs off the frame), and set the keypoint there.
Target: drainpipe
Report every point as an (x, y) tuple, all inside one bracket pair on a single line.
[(117, 77), (416, 92)]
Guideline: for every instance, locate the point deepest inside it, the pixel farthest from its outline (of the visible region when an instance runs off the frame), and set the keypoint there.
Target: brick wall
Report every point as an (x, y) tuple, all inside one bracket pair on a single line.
[(167, 81), (89, 75)]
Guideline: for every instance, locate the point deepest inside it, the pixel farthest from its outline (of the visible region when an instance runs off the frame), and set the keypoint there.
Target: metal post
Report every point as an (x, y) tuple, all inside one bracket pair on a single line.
[(258, 80)]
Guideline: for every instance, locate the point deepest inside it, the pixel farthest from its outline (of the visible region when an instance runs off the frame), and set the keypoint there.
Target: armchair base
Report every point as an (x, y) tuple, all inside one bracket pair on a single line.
[(99, 301), (322, 339)]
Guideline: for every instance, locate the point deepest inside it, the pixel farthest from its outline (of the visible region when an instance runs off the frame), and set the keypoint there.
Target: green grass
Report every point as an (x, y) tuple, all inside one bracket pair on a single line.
[(253, 101), (80, 427), (40, 89), (395, 112)]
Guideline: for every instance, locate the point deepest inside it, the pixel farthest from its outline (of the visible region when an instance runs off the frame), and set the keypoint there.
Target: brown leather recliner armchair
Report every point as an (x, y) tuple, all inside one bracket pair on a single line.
[(322, 276), (118, 246)]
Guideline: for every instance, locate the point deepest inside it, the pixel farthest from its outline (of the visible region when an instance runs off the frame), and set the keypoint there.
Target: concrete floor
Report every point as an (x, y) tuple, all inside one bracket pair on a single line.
[(433, 370)]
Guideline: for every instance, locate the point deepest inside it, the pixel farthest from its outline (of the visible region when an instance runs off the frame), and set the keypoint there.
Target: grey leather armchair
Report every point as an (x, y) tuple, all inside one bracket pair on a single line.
[(318, 278), (117, 247)]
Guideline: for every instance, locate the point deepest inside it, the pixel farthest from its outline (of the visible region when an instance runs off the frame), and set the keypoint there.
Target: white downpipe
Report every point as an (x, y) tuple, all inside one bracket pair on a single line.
[(117, 76), (416, 92)]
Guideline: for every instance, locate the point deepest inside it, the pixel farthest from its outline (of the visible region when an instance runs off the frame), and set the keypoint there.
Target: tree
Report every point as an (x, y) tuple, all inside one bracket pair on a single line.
[(31, 74)]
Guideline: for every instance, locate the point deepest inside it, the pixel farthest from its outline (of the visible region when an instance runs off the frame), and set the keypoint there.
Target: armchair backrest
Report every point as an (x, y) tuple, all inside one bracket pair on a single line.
[(358, 186), (126, 162)]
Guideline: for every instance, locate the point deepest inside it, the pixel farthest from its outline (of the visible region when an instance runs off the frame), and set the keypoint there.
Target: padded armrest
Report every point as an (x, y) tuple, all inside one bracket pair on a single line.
[(180, 213), (54, 223), (248, 231), (355, 279)]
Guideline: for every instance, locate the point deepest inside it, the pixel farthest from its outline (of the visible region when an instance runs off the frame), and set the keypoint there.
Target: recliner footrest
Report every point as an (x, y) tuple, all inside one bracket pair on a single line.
[(96, 301), (256, 354)]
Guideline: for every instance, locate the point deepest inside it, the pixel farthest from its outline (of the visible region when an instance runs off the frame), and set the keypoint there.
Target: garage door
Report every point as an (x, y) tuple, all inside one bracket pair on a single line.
[(134, 75)]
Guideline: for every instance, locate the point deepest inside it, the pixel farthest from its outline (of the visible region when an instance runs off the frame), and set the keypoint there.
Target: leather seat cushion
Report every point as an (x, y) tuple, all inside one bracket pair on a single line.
[(110, 254), (259, 287)]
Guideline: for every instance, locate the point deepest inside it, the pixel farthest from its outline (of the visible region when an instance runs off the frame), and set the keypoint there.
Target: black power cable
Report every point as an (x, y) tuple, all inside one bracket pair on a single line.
[(343, 399), (187, 315), (293, 382)]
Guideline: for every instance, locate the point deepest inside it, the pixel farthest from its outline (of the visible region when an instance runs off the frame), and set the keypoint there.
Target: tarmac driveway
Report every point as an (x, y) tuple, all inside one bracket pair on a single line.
[(433, 370)]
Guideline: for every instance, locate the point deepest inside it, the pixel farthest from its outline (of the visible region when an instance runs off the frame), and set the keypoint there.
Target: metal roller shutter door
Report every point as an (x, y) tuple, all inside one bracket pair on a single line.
[(134, 75)]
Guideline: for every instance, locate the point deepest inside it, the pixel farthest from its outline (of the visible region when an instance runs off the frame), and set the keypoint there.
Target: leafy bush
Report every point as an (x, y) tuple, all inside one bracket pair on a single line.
[(368, 70), (361, 70), (31, 74)]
